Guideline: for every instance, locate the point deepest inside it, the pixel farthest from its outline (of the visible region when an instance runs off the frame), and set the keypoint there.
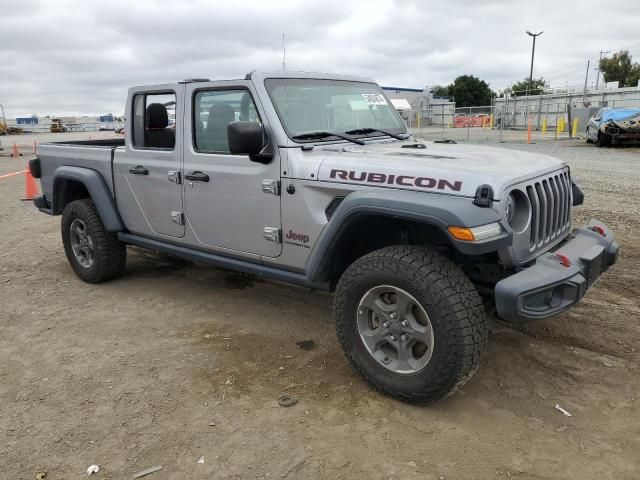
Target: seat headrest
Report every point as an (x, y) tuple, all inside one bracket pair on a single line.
[(157, 116), (219, 115)]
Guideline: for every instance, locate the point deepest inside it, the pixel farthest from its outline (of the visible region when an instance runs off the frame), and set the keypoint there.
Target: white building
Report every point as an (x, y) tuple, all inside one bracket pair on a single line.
[(425, 108)]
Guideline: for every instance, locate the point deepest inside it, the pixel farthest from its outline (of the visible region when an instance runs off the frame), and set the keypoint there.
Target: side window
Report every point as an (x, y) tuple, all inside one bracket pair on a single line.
[(154, 120), (213, 110)]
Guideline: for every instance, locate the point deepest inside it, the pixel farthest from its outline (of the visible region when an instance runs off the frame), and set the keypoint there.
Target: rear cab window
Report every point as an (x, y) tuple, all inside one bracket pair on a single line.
[(154, 121)]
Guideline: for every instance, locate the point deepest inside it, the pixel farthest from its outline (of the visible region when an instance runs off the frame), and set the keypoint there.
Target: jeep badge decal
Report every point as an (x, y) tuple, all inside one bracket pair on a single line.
[(297, 239), (403, 180)]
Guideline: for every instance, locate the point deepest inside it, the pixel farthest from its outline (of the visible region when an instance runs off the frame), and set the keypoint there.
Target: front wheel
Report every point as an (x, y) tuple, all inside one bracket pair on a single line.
[(603, 140), (587, 135), (95, 254), (410, 322)]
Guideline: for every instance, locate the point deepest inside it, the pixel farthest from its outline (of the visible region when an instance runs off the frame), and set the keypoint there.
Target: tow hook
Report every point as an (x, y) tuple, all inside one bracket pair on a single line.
[(564, 260)]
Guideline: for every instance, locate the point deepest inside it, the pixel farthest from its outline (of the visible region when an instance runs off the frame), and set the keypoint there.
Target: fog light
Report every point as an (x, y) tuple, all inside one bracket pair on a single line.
[(554, 297)]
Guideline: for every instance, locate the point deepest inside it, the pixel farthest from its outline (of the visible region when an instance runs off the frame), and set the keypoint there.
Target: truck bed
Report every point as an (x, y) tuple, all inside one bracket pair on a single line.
[(93, 154), (104, 142)]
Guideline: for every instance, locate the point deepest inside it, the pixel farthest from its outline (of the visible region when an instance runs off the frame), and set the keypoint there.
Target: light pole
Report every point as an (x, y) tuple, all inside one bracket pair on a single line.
[(533, 52), (598, 69)]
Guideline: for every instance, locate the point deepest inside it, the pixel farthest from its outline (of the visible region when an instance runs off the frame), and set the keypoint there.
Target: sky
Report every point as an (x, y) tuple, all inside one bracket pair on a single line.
[(68, 57)]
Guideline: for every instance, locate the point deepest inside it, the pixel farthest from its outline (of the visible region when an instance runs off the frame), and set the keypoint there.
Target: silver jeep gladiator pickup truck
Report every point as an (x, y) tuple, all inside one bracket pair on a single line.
[(313, 179)]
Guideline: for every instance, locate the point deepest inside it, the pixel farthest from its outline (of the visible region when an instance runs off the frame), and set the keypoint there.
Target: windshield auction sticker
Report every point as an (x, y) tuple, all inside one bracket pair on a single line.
[(374, 99)]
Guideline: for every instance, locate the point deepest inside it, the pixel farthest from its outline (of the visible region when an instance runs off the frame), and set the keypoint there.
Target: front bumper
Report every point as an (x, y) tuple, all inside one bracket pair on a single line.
[(558, 279)]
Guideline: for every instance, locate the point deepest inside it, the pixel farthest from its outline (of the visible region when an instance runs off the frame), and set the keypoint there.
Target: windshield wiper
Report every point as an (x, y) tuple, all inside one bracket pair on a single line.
[(359, 131), (312, 135)]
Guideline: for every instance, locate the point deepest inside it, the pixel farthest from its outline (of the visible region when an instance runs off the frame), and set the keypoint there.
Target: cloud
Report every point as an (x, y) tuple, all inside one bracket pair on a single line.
[(79, 57)]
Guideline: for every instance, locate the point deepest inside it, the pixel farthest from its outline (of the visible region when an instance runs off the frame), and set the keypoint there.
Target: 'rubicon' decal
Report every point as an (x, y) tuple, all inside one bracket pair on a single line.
[(402, 180)]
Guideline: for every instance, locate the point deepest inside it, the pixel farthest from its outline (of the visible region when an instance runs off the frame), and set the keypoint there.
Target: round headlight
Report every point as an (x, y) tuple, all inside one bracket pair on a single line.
[(517, 210), (510, 208)]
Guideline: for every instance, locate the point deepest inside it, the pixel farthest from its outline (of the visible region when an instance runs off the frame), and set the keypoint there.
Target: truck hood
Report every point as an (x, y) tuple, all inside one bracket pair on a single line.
[(444, 168)]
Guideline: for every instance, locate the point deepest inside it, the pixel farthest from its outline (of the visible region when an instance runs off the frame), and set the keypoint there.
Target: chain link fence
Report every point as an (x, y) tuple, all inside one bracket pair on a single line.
[(515, 119)]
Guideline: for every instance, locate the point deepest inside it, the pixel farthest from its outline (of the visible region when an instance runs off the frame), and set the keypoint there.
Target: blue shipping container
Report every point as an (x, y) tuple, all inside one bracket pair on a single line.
[(27, 120)]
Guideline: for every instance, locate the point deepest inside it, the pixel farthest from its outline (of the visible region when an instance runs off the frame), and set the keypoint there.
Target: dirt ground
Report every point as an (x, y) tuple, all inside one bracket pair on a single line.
[(175, 361)]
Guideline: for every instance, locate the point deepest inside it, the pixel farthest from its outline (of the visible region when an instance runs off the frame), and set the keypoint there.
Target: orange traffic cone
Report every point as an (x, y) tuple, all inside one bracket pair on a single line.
[(30, 187), (15, 153)]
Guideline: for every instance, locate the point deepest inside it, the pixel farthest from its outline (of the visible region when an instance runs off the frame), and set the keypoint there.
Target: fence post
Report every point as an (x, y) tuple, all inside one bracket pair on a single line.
[(539, 112)]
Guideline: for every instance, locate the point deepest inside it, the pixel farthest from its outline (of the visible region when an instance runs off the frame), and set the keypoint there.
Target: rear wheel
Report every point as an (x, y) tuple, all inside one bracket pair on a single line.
[(410, 322), (94, 254)]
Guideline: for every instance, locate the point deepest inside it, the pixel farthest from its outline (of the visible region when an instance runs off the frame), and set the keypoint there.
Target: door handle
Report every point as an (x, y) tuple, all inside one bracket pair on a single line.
[(139, 170), (197, 177)]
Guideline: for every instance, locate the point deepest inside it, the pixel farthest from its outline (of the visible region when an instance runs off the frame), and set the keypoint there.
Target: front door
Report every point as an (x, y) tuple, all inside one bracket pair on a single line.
[(227, 200), (148, 173)]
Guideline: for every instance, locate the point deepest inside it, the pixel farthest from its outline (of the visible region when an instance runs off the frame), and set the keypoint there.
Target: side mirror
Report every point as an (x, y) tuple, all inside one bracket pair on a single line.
[(247, 138)]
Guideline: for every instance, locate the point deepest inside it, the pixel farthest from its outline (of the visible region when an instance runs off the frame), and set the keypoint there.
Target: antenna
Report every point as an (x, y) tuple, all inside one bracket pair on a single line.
[(284, 70), (284, 56)]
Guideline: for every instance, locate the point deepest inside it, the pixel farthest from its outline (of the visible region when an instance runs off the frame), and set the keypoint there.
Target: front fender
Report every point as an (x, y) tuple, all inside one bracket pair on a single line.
[(439, 210), (98, 191)]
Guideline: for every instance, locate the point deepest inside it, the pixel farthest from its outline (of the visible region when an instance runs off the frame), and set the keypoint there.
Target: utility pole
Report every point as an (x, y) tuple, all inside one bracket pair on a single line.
[(586, 77), (598, 69), (533, 52)]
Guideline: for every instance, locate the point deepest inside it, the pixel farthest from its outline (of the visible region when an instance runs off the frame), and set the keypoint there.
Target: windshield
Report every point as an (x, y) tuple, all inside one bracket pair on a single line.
[(309, 105)]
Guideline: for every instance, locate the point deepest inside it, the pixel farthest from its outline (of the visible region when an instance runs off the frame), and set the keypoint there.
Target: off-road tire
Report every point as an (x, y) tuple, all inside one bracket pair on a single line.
[(110, 254), (455, 311)]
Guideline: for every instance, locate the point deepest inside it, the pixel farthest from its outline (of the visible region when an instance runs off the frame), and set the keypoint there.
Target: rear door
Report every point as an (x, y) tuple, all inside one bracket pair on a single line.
[(147, 173), (231, 202)]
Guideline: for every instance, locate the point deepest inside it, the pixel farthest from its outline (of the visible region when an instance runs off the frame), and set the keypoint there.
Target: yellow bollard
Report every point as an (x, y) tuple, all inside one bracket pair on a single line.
[(544, 126), (484, 121), (561, 125), (491, 121), (419, 118), (558, 125), (574, 132)]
